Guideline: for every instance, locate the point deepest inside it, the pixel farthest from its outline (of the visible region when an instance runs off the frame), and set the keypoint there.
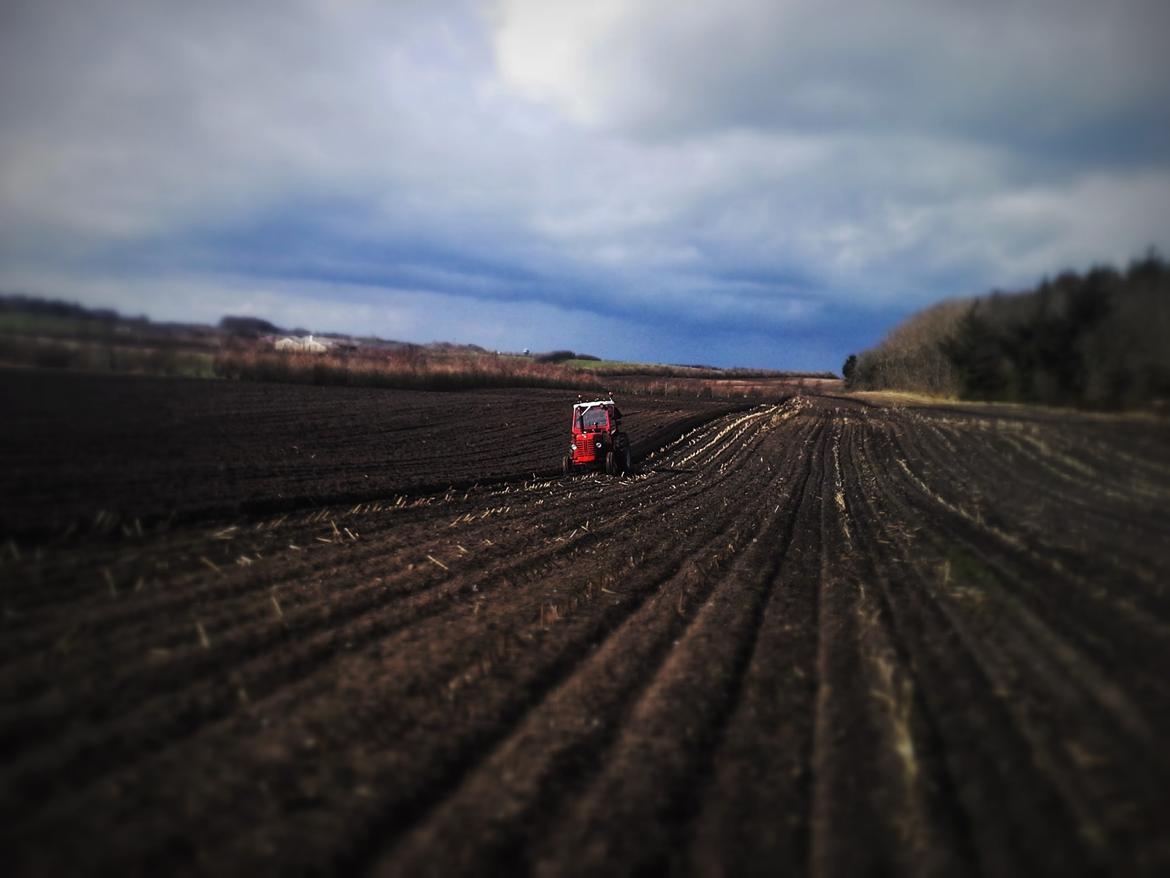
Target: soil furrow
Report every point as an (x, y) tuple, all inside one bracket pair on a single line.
[(516, 797), (637, 809), (417, 633), (1036, 677), (876, 761), (826, 637)]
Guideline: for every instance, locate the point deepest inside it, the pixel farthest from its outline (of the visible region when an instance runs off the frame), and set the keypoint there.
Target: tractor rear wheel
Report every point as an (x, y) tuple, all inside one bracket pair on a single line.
[(610, 464)]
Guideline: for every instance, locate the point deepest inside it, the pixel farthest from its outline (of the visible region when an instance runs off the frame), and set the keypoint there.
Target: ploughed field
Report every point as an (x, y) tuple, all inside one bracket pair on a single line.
[(818, 637), (84, 452)]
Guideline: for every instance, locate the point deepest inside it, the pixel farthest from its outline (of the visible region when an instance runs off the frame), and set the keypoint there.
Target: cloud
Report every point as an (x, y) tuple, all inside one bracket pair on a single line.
[(669, 177), (1038, 74)]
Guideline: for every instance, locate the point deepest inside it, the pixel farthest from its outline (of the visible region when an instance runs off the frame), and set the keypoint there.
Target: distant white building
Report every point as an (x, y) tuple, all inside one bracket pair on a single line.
[(306, 345)]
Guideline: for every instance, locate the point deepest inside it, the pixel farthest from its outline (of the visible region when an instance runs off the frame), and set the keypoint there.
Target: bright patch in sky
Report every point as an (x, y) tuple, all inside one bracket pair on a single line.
[(741, 182)]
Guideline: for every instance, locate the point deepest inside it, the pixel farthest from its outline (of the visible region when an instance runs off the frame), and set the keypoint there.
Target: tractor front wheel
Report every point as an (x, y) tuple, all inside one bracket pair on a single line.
[(566, 465), (610, 464)]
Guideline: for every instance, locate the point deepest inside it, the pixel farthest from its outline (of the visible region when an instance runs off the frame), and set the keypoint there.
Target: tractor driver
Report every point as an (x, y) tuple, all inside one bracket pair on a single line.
[(592, 418)]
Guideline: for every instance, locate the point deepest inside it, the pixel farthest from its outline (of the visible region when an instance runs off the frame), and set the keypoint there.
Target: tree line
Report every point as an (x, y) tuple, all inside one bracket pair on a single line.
[(1098, 339)]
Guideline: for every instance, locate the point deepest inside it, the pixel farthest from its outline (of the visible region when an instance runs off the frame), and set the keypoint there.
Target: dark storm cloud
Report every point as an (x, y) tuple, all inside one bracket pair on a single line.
[(670, 177)]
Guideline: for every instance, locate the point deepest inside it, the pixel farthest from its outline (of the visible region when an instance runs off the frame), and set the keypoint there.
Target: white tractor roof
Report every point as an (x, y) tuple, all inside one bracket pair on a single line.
[(589, 405)]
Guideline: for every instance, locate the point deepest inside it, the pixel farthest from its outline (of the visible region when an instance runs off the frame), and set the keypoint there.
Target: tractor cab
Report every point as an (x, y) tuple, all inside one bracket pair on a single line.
[(597, 439), (594, 418)]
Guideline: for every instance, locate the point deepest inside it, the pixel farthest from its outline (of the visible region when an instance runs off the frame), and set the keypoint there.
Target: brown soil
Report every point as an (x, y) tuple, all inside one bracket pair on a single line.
[(819, 637), (84, 451)]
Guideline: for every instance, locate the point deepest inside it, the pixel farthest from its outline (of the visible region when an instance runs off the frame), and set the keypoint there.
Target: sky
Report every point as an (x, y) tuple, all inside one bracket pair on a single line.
[(764, 183)]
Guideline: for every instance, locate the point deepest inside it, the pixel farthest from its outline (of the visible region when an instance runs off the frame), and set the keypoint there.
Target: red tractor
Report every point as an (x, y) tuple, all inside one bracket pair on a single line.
[(598, 440)]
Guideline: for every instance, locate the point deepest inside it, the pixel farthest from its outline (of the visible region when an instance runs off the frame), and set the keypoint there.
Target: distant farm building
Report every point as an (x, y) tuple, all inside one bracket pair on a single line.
[(306, 345)]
